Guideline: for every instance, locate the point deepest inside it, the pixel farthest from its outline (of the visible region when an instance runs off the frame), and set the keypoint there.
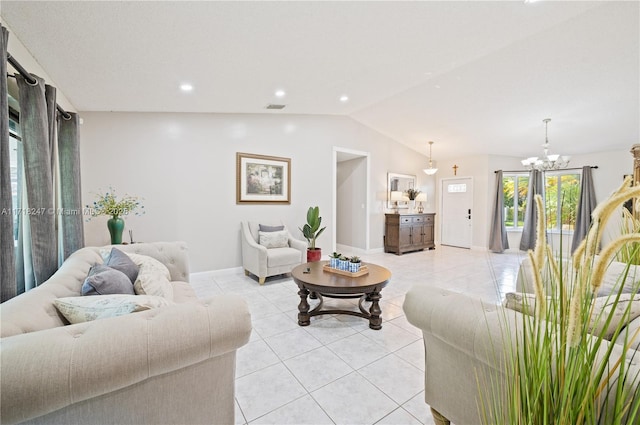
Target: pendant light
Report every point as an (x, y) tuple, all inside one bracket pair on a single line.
[(430, 171), (547, 162)]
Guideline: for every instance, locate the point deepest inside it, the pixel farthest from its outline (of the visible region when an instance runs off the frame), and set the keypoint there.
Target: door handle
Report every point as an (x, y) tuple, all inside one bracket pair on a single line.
[(469, 213)]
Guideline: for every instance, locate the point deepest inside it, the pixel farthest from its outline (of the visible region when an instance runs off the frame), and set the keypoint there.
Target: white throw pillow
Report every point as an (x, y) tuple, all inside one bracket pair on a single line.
[(149, 264), (153, 278), (88, 308), (274, 239), (525, 303)]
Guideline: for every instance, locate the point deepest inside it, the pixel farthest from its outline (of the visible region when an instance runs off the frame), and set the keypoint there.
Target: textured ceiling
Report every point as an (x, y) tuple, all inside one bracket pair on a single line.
[(476, 77)]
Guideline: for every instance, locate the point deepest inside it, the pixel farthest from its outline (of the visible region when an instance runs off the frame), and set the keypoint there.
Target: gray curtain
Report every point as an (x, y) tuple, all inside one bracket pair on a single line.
[(536, 187), (7, 249), (70, 199), (586, 204), (40, 237), (498, 240)]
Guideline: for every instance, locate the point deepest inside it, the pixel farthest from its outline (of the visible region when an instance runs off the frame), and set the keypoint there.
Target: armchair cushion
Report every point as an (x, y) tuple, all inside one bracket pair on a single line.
[(266, 228), (279, 239), (283, 256)]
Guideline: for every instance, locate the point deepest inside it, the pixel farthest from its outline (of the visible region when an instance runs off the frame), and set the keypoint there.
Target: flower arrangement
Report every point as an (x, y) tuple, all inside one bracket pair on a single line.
[(412, 194), (108, 204), (560, 366)]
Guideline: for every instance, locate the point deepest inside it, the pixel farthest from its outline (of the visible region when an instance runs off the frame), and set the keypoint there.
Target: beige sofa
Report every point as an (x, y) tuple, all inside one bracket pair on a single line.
[(171, 365), (462, 335)]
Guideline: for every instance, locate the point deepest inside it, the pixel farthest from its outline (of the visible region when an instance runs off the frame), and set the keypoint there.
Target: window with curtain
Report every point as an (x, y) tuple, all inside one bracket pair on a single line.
[(515, 199), (562, 190), (15, 160)]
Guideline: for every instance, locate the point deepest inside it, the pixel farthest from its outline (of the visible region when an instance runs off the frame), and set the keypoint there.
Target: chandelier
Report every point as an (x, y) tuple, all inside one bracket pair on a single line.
[(547, 162), (430, 171)]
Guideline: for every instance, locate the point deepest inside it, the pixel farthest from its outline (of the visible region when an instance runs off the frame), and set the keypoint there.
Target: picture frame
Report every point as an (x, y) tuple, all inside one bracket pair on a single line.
[(262, 179)]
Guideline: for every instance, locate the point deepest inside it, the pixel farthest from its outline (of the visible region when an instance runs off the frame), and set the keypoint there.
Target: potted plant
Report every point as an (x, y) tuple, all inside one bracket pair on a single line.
[(570, 372), (412, 194), (354, 264), (333, 259), (108, 204), (343, 263), (311, 231)]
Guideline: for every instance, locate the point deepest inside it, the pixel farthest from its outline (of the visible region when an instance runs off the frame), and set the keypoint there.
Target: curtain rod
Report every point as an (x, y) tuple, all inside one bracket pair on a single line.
[(524, 171), (27, 76)]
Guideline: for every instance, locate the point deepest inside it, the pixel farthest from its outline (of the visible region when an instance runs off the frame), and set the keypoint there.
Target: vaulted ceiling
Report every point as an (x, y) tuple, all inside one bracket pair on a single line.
[(476, 77)]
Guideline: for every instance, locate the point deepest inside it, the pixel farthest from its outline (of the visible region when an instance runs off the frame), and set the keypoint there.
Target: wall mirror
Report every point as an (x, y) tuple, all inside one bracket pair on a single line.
[(399, 183)]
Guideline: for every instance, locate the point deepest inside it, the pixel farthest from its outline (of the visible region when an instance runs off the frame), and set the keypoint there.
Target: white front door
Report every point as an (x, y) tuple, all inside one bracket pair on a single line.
[(457, 212)]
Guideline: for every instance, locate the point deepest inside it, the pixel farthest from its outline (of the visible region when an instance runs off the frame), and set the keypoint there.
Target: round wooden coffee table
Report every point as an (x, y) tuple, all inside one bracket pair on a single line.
[(312, 278)]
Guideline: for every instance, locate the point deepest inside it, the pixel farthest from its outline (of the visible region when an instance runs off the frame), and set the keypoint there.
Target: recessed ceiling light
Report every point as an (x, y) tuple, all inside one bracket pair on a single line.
[(280, 93), (344, 98), (186, 87)]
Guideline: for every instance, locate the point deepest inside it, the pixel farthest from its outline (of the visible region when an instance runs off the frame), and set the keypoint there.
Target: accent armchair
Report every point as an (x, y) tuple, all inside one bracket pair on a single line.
[(271, 251)]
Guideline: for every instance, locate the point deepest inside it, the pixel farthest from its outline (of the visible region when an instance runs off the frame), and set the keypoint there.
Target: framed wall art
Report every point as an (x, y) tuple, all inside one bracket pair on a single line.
[(262, 179)]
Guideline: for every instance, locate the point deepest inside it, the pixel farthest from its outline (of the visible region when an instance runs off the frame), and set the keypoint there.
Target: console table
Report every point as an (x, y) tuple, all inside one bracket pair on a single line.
[(408, 232)]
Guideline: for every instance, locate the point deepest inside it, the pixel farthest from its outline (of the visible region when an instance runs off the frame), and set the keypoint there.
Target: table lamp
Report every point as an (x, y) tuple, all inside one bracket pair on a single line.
[(396, 196), (422, 197)]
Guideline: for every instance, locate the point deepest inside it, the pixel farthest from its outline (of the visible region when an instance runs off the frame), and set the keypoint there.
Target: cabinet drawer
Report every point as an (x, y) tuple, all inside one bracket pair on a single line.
[(419, 219), (405, 220), (428, 219)]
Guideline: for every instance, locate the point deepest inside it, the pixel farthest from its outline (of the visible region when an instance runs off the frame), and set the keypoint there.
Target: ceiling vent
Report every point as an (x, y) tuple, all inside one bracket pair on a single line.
[(274, 106)]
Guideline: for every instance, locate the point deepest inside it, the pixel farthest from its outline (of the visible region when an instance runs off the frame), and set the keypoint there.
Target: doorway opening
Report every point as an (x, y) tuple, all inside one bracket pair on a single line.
[(351, 175)]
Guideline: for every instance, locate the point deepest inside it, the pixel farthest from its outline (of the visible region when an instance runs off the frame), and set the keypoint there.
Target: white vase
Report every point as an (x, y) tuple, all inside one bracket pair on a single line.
[(412, 206)]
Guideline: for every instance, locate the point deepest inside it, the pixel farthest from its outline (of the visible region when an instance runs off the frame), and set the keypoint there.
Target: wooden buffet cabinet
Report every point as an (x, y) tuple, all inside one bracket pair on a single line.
[(408, 232)]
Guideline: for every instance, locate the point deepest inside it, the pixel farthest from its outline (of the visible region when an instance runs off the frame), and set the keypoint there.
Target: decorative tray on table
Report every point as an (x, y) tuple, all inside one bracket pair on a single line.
[(363, 270)]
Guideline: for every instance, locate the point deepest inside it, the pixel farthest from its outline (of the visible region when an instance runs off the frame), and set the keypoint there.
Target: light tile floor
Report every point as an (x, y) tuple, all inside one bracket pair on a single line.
[(337, 370)]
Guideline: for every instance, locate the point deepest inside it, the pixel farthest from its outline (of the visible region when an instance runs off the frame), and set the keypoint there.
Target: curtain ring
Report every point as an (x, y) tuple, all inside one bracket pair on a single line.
[(35, 81)]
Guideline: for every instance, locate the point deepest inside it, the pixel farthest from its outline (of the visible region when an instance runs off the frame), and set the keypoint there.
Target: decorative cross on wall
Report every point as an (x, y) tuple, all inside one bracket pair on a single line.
[(455, 170)]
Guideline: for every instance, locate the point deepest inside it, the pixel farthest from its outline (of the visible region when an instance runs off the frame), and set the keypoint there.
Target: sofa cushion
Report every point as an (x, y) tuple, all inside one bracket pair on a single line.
[(148, 264), (525, 303), (277, 239), (153, 277), (628, 333), (153, 283), (85, 309), (120, 261), (104, 280)]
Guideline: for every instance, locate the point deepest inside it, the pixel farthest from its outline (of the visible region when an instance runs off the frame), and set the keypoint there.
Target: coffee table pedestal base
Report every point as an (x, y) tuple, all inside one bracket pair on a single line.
[(373, 314)]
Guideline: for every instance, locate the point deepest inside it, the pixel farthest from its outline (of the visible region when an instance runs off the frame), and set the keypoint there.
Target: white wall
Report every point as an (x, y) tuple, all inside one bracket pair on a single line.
[(184, 165)]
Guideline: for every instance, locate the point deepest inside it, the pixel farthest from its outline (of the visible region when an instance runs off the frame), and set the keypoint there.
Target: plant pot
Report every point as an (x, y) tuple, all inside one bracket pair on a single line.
[(115, 226), (333, 262), (343, 265), (354, 267), (314, 254)]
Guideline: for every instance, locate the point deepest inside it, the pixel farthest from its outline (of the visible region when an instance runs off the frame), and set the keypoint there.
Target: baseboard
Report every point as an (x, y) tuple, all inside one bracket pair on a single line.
[(232, 270), (350, 250)]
